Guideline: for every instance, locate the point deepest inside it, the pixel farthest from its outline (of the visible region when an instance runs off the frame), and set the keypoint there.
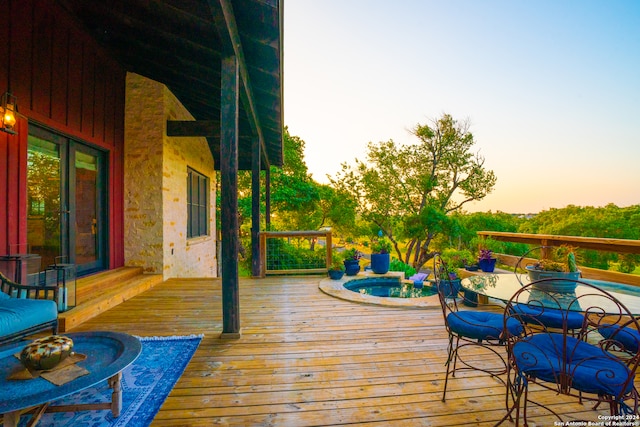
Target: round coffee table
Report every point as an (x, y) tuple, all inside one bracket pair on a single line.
[(108, 353)]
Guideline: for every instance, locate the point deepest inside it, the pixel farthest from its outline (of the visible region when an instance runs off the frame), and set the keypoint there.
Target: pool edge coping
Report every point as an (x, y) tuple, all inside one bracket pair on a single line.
[(336, 289)]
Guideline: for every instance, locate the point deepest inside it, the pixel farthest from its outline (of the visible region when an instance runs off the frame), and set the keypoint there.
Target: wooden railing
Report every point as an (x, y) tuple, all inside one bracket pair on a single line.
[(594, 243), (295, 234)]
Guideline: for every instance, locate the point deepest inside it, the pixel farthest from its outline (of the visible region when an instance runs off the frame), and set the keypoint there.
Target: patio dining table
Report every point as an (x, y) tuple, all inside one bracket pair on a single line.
[(503, 286)]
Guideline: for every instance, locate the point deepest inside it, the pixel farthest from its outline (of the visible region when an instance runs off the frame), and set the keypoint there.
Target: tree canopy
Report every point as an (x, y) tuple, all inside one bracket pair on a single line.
[(297, 201), (408, 191)]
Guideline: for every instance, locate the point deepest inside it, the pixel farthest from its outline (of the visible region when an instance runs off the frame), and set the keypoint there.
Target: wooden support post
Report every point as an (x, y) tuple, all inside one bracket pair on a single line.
[(329, 246), (267, 198), (546, 249), (263, 255), (229, 111), (255, 207)]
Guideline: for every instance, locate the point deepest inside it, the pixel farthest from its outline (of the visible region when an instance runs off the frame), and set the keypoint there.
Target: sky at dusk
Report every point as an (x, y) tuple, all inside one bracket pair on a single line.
[(551, 88)]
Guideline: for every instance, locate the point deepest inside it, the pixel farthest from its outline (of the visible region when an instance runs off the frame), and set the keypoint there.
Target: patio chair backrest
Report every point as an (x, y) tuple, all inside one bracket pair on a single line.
[(597, 361)]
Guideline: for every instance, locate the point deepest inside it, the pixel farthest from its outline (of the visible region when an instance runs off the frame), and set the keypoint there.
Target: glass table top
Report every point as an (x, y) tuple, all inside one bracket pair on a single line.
[(503, 286)]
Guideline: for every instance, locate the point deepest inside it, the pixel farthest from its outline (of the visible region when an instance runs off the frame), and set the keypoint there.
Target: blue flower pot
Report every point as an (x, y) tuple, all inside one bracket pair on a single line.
[(487, 265), (449, 288), (336, 274), (351, 267), (380, 263)]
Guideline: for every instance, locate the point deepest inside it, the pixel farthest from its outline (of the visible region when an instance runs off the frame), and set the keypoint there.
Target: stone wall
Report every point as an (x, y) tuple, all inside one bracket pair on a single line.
[(155, 186)]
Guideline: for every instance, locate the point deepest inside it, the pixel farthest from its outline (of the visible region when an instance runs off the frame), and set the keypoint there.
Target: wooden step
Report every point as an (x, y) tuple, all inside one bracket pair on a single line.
[(108, 294), (89, 286)]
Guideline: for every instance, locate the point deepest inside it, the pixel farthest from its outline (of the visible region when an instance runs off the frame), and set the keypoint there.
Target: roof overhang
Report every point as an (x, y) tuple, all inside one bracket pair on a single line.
[(181, 43)]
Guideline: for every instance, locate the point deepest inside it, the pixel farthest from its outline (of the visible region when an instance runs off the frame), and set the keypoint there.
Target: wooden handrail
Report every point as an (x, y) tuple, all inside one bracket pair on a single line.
[(625, 246), (595, 243)]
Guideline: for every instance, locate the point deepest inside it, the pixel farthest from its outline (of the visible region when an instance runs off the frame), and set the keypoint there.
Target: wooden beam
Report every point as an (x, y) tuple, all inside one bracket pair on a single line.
[(230, 38), (229, 198), (205, 128)]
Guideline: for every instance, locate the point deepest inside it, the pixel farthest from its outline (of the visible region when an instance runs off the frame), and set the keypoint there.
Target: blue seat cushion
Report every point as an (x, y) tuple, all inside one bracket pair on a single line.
[(17, 314), (629, 338), (549, 317), (592, 370), (481, 325)]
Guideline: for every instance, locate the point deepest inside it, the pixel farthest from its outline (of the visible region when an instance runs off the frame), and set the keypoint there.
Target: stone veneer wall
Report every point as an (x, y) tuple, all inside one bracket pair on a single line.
[(155, 175)]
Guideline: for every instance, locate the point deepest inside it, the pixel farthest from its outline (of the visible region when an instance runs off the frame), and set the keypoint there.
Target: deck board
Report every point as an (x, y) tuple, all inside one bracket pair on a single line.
[(308, 359)]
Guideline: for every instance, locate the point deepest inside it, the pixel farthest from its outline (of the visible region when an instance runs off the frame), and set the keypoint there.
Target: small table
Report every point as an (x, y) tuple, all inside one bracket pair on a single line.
[(503, 286), (108, 353)]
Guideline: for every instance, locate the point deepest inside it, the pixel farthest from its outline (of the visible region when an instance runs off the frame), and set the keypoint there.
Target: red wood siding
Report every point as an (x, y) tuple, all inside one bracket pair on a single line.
[(65, 81), (13, 190)]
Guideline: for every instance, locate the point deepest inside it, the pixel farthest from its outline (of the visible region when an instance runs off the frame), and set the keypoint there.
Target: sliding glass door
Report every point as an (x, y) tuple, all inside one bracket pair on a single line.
[(66, 201)]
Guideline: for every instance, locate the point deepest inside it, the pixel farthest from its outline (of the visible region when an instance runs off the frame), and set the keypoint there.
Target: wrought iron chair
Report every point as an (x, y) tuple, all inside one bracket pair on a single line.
[(597, 362), (481, 327)]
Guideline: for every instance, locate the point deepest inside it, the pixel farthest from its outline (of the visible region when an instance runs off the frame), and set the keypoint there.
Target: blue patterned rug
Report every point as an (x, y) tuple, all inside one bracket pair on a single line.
[(145, 385)]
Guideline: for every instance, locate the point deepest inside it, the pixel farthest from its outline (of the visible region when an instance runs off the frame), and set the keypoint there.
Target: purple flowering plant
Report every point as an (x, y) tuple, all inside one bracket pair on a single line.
[(485, 254)]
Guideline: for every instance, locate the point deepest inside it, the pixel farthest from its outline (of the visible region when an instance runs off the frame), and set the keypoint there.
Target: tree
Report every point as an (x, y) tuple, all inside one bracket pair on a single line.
[(488, 221), (608, 221), (409, 191), (297, 201), (293, 191)]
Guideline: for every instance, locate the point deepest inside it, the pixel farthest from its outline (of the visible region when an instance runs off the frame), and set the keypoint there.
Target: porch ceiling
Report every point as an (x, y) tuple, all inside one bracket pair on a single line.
[(180, 43)]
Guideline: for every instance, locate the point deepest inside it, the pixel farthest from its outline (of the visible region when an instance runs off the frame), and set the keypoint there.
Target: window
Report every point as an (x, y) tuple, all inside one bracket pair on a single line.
[(197, 204)]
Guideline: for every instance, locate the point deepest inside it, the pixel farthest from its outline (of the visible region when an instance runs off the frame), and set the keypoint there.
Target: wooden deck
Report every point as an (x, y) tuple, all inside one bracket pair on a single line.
[(308, 359)]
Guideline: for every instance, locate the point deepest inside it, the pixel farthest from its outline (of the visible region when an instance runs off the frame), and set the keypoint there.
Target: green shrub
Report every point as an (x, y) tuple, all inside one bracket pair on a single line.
[(397, 265), (282, 255), (455, 258), (337, 261)]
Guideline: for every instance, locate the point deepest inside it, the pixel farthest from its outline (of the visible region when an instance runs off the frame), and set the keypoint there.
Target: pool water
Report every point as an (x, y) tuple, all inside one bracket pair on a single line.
[(620, 288), (389, 287)]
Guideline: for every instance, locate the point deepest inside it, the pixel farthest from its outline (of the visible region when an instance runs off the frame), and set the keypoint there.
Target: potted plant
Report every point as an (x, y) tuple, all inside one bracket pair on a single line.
[(380, 257), (449, 283), (453, 259), (471, 267), (336, 271), (486, 260), (351, 261), (560, 263)]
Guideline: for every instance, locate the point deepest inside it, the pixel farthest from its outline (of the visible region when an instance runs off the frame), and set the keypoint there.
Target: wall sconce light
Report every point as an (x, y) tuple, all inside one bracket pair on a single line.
[(8, 110)]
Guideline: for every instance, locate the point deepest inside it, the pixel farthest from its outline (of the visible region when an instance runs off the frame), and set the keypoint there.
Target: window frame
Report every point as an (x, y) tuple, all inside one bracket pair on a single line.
[(198, 186)]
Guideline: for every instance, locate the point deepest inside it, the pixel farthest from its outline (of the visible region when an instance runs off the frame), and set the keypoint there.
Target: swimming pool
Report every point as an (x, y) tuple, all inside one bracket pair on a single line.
[(338, 289), (388, 287)]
